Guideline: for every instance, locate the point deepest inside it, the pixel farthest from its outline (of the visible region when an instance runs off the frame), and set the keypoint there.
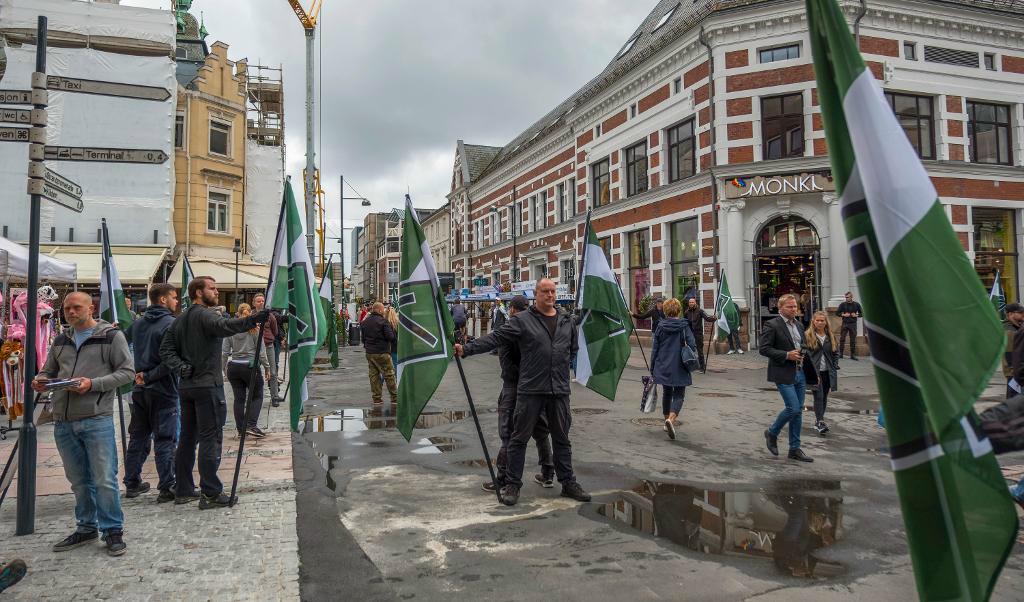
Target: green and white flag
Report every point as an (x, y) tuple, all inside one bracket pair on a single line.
[(327, 301), (111, 295), (425, 326), (728, 313), (292, 288), (604, 324), (186, 277), (998, 298), (959, 518)]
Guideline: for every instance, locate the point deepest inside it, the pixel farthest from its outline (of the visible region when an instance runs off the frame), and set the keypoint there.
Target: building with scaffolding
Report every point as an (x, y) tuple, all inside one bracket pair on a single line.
[(229, 161)]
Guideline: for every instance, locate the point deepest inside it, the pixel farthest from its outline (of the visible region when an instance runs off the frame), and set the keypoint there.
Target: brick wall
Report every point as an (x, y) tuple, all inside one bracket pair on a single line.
[(737, 58)]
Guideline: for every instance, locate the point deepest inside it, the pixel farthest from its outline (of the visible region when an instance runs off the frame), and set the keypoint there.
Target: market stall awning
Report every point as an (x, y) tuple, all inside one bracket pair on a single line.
[(14, 265), (250, 275), (136, 265)]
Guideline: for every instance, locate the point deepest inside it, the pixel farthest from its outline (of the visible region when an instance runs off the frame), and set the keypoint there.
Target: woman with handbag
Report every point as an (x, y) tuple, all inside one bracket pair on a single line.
[(673, 349), (823, 357)]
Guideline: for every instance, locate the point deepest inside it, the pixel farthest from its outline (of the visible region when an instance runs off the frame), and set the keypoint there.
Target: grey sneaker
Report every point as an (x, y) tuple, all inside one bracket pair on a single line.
[(75, 540), (187, 498), (573, 490), (545, 481), (115, 542), (220, 500), (137, 491), (509, 495)]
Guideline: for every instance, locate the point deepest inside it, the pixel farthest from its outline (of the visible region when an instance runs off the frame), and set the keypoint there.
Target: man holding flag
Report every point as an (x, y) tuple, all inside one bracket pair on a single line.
[(728, 324), (959, 517)]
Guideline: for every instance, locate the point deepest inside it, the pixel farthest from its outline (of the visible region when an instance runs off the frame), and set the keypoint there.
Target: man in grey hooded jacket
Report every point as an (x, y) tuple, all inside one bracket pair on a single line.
[(95, 354)]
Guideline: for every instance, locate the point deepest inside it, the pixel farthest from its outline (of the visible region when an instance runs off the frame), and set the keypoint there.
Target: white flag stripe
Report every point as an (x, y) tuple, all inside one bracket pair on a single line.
[(888, 165), (596, 264)]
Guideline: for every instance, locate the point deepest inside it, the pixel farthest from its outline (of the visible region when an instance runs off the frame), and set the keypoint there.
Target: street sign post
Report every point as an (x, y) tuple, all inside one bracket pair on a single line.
[(105, 155), (14, 134), (48, 191), (16, 97), (91, 86), (62, 184), (15, 116)]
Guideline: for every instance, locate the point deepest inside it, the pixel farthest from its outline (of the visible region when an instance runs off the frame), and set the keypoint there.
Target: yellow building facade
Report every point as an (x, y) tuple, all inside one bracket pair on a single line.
[(210, 134)]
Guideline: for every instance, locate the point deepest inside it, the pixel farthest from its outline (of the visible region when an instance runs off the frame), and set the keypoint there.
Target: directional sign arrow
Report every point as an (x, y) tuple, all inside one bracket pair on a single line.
[(14, 134), (15, 115), (91, 86), (105, 155), (36, 186), (16, 97), (59, 182)]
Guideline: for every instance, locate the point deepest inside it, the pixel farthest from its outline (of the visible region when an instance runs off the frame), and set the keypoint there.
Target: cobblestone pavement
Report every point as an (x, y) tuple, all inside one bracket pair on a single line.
[(174, 552)]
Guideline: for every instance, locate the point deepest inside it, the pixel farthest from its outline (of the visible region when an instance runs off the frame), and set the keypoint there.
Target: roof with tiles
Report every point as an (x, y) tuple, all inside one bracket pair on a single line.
[(667, 21), (478, 157)]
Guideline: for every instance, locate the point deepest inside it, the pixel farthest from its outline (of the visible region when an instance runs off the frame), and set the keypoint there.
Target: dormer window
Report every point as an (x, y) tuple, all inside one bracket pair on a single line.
[(629, 46), (664, 19)]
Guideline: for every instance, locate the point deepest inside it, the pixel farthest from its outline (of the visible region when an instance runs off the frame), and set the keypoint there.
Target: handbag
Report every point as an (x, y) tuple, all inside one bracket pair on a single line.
[(689, 357)]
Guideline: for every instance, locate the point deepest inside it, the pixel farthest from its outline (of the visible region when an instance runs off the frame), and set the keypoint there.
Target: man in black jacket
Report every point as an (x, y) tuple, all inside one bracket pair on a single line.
[(696, 317), (546, 339), (154, 398), (378, 335), (782, 343), (655, 314), (192, 348), (508, 359), (849, 311)]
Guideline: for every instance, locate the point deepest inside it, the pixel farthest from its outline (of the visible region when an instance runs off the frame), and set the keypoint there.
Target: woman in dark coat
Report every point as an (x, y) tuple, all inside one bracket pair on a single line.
[(666, 364), (825, 361)]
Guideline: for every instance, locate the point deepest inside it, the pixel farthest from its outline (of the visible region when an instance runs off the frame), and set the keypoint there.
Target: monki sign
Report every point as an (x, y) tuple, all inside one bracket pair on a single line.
[(741, 188)]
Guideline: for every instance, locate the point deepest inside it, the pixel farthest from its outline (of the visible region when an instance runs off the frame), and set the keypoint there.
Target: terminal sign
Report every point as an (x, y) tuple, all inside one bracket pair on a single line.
[(741, 188)]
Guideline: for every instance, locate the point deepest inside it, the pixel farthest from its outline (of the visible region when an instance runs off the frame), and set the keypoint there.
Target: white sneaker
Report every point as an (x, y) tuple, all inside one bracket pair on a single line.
[(730, 352), (741, 352)]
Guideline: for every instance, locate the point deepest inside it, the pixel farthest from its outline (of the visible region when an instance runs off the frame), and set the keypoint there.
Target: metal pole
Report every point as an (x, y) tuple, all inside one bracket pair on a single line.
[(341, 237), (310, 151), (515, 257), (26, 517), (236, 280), (479, 431)]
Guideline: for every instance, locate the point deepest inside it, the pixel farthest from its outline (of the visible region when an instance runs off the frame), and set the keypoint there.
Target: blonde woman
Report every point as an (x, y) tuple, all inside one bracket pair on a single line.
[(823, 355), (392, 317), (237, 355), (667, 366)]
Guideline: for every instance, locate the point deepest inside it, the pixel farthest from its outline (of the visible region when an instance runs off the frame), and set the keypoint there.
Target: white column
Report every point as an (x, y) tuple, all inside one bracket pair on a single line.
[(839, 253), (734, 259)]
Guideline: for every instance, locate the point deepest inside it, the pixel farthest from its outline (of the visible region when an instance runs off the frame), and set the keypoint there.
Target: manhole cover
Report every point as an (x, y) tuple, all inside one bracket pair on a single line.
[(717, 395), (587, 411)]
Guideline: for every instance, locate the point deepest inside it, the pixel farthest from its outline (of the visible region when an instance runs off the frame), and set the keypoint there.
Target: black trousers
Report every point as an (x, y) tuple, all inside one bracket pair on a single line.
[(821, 395), (541, 435), (154, 417), (203, 413), (529, 408), (851, 330), (699, 343), (238, 376)]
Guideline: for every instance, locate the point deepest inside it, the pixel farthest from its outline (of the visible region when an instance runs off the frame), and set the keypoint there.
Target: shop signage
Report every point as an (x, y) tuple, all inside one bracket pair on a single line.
[(742, 188)]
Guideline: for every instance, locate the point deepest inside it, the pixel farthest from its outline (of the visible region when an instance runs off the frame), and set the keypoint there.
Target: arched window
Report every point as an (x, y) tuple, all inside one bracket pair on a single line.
[(787, 231)]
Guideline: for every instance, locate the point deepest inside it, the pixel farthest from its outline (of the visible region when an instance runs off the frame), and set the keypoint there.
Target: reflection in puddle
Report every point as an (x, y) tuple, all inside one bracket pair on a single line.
[(382, 417), (786, 523), (437, 445)]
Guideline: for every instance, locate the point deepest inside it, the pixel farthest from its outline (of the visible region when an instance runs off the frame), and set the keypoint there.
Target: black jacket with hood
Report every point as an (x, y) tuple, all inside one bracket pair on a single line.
[(145, 335), (545, 360), (192, 345)]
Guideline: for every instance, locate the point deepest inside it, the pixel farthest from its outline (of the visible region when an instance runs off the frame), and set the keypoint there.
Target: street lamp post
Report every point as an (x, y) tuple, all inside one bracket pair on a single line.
[(341, 235), (237, 250)]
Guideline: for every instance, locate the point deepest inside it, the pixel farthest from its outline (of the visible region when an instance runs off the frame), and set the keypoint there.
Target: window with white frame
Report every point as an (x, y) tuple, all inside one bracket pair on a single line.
[(220, 137), (540, 212), (218, 208), (392, 266)]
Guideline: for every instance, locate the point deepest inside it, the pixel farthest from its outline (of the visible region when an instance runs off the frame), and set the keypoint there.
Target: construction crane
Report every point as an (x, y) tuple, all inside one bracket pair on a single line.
[(308, 21)]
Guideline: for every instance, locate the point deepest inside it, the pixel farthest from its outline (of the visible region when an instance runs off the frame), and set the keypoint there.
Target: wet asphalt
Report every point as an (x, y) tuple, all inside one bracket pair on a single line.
[(709, 516)]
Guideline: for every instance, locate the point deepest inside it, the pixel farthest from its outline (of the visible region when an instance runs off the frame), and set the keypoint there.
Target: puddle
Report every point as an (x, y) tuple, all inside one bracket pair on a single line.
[(437, 445), (368, 419), (786, 523)]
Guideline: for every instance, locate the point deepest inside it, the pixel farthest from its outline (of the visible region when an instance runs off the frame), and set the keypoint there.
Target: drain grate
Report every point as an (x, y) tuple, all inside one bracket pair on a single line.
[(587, 411)]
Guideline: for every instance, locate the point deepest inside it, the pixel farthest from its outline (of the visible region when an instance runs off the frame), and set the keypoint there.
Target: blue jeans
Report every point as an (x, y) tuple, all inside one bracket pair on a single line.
[(1018, 491), (793, 397), (672, 399), (89, 453)]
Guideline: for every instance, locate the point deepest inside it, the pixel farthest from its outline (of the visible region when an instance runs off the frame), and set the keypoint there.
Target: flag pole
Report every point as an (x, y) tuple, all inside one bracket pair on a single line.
[(108, 255), (707, 354), (233, 499), (479, 431)]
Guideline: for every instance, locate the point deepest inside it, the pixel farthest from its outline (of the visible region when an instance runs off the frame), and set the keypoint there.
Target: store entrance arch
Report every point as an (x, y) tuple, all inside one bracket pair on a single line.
[(787, 260)]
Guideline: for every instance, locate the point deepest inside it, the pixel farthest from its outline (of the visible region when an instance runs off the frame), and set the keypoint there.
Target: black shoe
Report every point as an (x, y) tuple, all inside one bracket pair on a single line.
[(573, 490), (75, 540), (545, 481), (115, 542), (185, 499), (818, 427), (824, 428), (165, 496), (670, 429), (854, 358), (772, 441), (255, 432), (220, 500), (275, 403), (137, 491), (799, 455), (11, 573), (490, 487), (509, 495)]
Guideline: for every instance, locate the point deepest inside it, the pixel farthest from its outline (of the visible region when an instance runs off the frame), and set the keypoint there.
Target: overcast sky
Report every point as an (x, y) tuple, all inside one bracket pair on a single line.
[(404, 79)]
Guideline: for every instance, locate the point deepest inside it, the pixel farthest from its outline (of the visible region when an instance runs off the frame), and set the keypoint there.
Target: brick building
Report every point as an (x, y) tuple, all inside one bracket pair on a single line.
[(700, 149)]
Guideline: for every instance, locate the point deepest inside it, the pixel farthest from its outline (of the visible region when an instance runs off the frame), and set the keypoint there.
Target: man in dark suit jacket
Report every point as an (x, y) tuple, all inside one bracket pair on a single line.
[(781, 342)]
